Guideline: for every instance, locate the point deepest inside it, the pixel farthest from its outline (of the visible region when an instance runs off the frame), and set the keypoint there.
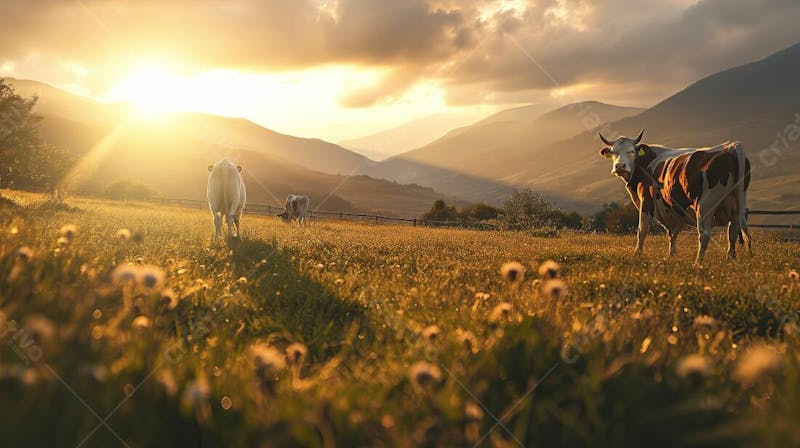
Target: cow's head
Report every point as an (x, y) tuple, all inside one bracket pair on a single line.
[(284, 216), (623, 153)]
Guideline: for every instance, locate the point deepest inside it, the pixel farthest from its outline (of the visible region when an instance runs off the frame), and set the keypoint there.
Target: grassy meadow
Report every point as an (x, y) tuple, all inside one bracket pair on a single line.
[(124, 324)]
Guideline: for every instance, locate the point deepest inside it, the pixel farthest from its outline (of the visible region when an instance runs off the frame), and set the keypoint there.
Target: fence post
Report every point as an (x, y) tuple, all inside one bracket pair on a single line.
[(311, 214), (376, 218), (341, 216), (415, 222)]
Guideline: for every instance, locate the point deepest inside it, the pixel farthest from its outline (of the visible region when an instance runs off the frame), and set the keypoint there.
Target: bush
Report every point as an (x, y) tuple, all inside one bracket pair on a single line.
[(441, 212), (125, 190), (616, 218), (479, 212), (526, 210)]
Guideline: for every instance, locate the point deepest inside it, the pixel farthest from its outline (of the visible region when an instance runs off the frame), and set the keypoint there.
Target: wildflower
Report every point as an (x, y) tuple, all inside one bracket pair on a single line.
[(169, 299), (338, 281), (793, 275), (757, 362), (124, 274), (692, 365), (24, 254), (141, 322), (513, 271), (467, 340), (549, 269), (707, 290), (226, 402), (266, 357), (481, 296), (62, 241), (704, 320), (68, 232), (424, 375), (123, 234), (431, 333), (500, 312), (296, 353), (555, 288), (150, 276), (242, 280)]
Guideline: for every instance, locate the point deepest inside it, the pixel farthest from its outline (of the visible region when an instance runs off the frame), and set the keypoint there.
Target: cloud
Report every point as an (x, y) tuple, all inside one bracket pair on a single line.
[(480, 50)]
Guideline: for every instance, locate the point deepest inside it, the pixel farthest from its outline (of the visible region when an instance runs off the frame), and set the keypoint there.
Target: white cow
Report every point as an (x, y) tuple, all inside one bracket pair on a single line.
[(296, 208), (226, 195)]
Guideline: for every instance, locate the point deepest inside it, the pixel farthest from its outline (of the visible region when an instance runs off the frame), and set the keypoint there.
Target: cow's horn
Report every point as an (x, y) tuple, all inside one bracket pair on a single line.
[(604, 139), (639, 138)]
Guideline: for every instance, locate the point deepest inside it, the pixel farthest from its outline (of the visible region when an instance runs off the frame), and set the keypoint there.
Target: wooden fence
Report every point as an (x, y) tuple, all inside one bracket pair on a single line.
[(773, 213), (271, 210)]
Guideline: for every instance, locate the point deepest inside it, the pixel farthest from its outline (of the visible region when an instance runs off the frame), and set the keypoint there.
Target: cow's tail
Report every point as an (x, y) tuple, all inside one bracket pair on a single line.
[(744, 182)]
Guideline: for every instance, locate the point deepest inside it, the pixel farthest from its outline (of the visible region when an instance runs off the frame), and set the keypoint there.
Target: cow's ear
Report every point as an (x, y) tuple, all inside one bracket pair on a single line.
[(210, 167), (641, 150), (605, 151), (239, 167)]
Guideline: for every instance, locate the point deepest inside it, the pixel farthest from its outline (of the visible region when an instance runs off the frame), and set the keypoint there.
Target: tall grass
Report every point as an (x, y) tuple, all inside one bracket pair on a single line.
[(396, 336)]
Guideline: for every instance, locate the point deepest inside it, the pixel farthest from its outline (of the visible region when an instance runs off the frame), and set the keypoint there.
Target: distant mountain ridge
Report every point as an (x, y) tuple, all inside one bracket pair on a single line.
[(474, 161), (557, 153), (311, 153), (170, 154)]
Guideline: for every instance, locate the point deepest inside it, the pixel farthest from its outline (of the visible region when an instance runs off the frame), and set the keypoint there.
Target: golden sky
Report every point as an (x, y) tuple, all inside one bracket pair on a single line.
[(339, 69)]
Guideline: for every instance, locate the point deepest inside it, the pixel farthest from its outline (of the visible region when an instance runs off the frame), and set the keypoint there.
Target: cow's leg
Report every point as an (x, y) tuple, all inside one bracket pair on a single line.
[(733, 237), (645, 219), (672, 235), (236, 219), (746, 239), (744, 233), (229, 220), (217, 225), (704, 236)]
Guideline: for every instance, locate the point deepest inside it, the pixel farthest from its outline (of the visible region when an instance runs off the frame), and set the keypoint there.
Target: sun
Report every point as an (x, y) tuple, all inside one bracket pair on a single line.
[(153, 91)]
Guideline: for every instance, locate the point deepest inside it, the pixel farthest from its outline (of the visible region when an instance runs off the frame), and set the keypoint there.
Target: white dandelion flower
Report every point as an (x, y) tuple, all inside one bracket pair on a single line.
[(512, 272)]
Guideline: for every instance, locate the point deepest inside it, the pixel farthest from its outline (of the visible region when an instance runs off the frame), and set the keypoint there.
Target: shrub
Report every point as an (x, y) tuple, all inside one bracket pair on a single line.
[(125, 190)]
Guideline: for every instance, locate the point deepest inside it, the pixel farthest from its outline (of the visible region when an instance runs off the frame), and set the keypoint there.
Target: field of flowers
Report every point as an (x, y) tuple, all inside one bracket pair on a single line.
[(123, 324)]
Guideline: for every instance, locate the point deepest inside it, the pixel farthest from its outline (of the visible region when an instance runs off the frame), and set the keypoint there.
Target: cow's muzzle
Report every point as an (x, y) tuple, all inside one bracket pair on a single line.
[(622, 173)]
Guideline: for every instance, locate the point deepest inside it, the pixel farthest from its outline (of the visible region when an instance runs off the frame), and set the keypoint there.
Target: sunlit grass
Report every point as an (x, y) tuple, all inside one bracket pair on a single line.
[(360, 335)]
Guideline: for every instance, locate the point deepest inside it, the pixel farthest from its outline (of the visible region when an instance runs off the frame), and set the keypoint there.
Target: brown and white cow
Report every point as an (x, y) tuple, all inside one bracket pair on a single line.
[(701, 187)]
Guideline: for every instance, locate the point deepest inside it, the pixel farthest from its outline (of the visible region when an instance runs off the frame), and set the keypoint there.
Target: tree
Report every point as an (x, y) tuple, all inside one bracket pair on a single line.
[(526, 209), (571, 220), (128, 190), (616, 218), (479, 212), (441, 212), (25, 161)]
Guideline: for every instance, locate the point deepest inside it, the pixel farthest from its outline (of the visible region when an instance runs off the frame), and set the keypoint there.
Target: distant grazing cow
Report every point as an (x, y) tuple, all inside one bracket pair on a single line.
[(702, 187), (296, 208), (226, 195)]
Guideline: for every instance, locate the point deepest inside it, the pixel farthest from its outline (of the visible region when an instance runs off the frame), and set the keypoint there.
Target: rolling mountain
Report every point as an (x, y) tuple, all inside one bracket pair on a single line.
[(317, 155), (757, 104), (399, 139), (170, 154), (476, 161)]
